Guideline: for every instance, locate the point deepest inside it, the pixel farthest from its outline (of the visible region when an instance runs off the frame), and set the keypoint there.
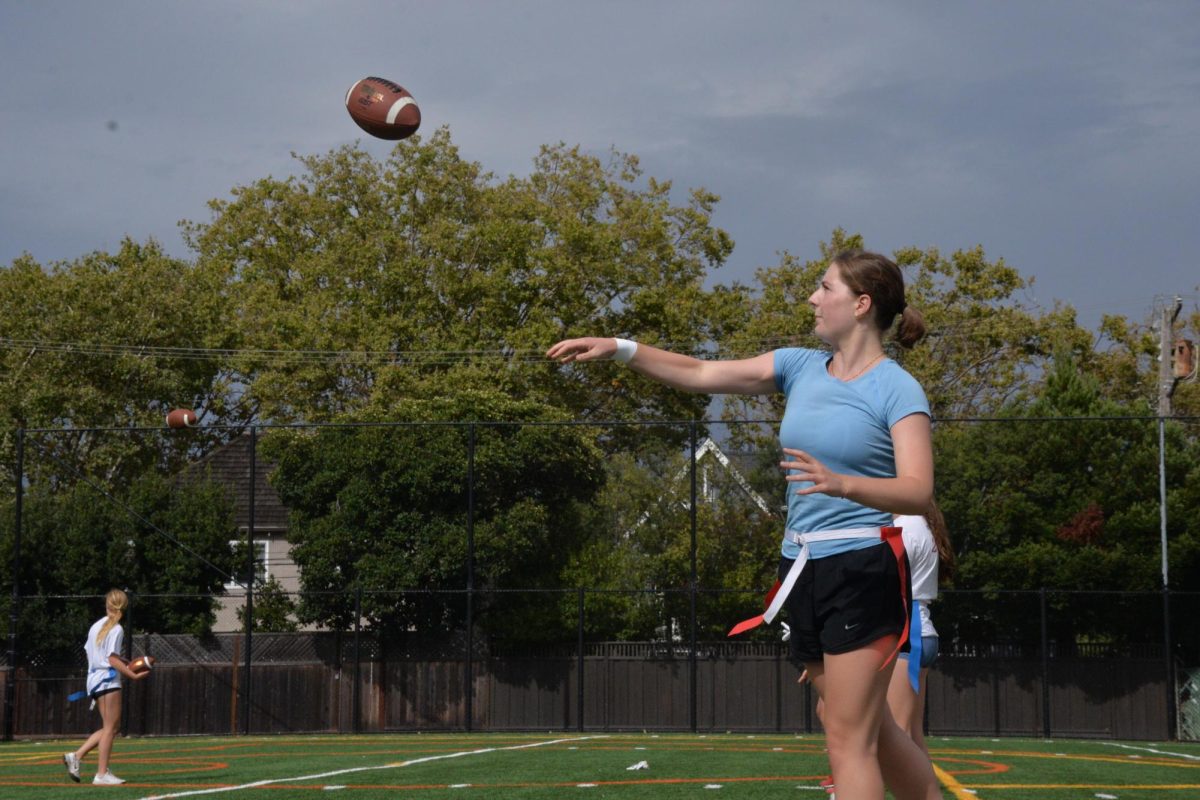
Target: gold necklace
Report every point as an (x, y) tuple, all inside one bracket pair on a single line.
[(864, 369)]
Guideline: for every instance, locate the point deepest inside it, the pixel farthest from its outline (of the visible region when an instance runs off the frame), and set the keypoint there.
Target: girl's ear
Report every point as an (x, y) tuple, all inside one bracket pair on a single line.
[(862, 306)]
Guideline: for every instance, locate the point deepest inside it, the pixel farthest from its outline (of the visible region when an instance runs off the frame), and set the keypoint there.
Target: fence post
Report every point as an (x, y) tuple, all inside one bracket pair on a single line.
[(355, 692), (145, 693), (778, 688), (470, 665), (1172, 699), (1168, 648), (127, 654), (579, 666), (1045, 666), (15, 604), (693, 689), (246, 683), (1162, 499)]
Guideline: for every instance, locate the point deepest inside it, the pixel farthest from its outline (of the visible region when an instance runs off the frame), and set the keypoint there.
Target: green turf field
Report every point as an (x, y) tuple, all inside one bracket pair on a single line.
[(553, 765)]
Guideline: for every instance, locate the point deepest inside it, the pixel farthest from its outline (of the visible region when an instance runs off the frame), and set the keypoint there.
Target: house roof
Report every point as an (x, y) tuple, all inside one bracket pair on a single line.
[(230, 466), (710, 449)]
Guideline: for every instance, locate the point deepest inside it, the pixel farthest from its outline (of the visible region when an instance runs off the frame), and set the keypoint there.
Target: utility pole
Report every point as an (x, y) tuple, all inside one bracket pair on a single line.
[(1166, 347), (1166, 387)]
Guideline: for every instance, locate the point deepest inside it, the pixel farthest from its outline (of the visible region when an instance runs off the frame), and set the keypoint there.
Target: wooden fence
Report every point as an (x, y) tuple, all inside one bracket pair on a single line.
[(622, 686)]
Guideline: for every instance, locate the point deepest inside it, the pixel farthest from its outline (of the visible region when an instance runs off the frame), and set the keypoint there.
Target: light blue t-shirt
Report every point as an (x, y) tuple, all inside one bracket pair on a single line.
[(847, 427)]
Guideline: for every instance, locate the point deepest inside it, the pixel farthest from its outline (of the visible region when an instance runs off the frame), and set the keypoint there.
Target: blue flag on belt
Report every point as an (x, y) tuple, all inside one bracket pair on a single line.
[(73, 696)]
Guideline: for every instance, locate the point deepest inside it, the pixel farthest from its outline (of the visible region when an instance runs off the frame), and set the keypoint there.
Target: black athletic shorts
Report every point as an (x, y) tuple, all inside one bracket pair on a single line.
[(844, 602)]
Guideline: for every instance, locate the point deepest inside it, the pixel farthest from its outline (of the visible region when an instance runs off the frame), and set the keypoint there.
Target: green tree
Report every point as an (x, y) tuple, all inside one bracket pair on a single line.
[(422, 287), (1126, 359), (274, 609), (641, 555), (150, 539), (425, 271), (385, 508), (1036, 499), (985, 346), (353, 289), (86, 346)]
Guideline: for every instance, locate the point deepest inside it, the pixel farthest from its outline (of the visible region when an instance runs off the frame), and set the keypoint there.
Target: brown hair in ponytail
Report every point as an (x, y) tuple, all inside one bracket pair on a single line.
[(941, 540), (114, 606), (879, 278)]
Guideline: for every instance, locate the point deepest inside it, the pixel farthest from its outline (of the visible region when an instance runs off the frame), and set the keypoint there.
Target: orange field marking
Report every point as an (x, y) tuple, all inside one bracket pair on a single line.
[(952, 766), (419, 787), (1160, 762), (972, 791), (985, 767)]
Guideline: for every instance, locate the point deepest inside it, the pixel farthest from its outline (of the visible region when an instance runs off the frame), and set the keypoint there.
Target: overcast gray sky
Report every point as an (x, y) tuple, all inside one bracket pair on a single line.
[(1060, 134)]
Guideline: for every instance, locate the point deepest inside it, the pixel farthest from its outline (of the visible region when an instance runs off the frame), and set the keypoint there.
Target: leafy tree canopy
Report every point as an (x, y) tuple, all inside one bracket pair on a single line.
[(386, 508), (422, 287), (85, 349), (1034, 498), (986, 345), (77, 542), (425, 265)]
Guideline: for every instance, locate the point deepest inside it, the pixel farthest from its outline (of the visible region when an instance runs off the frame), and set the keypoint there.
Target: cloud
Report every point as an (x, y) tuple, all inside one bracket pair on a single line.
[(1059, 135)]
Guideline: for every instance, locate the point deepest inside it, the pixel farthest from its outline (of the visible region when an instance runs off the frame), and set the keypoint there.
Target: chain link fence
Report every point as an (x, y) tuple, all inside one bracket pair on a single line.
[(506, 576)]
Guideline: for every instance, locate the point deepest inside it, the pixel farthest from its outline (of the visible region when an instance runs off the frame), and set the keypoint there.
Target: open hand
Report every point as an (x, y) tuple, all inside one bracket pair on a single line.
[(587, 349), (810, 470)]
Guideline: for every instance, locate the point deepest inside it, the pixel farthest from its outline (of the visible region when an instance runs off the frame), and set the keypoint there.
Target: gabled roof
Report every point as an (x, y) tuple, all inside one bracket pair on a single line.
[(709, 448), (230, 466)]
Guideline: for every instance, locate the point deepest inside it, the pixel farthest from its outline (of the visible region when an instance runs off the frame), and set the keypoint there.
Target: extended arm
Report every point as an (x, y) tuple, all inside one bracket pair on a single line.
[(743, 376)]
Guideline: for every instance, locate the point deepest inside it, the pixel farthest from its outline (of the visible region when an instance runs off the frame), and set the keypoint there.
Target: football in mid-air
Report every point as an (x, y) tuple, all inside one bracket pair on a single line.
[(383, 109), (181, 418)]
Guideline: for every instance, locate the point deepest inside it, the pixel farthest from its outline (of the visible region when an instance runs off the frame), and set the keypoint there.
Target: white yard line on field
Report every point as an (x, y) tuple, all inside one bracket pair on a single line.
[(397, 765), (1151, 750)]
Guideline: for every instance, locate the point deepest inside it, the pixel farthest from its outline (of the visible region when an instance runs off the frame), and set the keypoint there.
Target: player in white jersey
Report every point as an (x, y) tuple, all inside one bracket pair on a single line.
[(105, 640), (927, 543)]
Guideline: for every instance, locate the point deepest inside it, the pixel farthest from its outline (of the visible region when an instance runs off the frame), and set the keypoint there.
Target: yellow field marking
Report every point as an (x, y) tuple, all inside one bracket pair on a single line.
[(950, 782), (1148, 762), (31, 758)]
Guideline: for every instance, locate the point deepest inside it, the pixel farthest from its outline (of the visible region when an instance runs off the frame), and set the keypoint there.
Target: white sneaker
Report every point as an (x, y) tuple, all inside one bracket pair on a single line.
[(106, 779), (72, 766)]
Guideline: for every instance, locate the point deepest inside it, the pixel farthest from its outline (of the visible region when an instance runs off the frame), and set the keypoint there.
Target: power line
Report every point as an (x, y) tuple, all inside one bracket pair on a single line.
[(217, 353), (383, 358), (400, 357)]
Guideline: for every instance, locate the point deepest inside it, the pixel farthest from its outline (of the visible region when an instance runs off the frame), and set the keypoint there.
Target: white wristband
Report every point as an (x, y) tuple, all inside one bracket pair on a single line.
[(625, 350)]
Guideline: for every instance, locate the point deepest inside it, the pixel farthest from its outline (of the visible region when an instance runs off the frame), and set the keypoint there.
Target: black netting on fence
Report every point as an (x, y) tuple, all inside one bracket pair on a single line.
[(443, 559)]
